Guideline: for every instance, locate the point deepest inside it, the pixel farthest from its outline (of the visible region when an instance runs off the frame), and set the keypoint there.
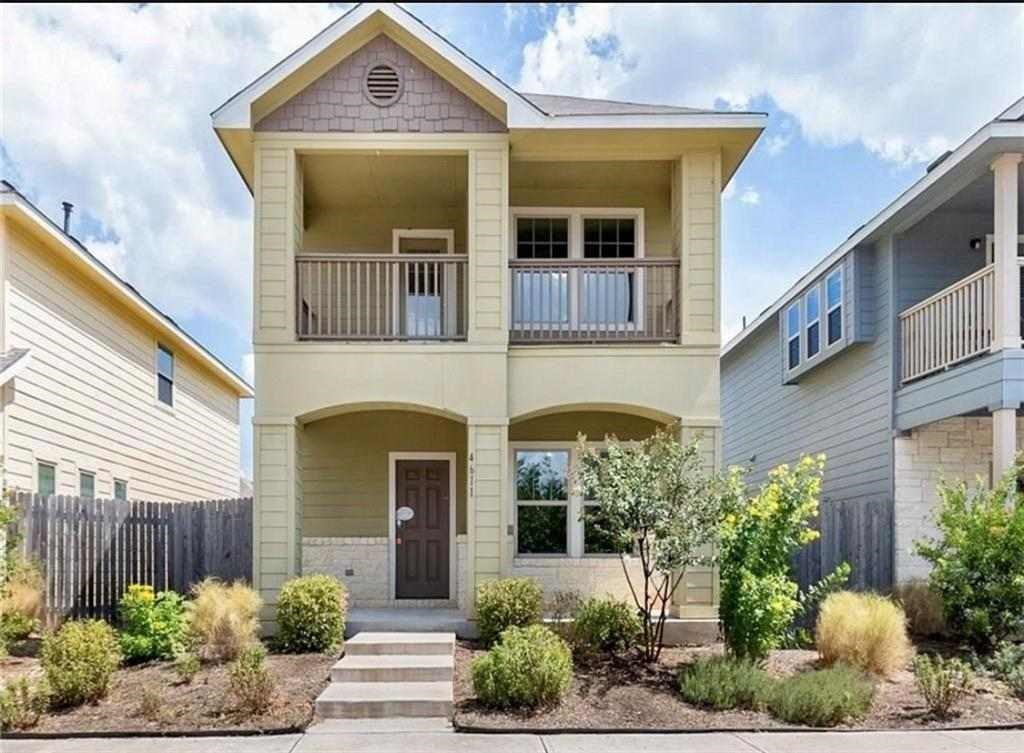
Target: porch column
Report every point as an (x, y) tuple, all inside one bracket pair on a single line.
[(487, 443), (277, 510), (1004, 441), (1007, 273)]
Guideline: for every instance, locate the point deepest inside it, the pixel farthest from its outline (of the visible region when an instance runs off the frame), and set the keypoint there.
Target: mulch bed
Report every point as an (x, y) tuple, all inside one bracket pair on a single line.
[(624, 693), (203, 705)]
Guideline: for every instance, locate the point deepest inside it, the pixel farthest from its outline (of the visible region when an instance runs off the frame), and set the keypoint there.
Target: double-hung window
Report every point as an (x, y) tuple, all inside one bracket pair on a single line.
[(812, 308), (46, 479), (542, 501), (551, 517), (120, 489), (164, 375), (793, 336), (86, 484), (541, 293), (834, 306)]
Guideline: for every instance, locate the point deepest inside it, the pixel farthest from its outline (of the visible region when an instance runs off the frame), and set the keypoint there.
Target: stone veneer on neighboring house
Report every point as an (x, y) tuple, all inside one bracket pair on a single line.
[(367, 558), (336, 101), (955, 448)]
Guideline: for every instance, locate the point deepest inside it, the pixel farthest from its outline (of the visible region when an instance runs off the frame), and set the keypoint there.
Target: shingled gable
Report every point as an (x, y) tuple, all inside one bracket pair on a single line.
[(338, 102)]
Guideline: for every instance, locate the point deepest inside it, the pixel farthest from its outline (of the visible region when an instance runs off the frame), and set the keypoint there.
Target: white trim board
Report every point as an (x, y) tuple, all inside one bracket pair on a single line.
[(453, 565)]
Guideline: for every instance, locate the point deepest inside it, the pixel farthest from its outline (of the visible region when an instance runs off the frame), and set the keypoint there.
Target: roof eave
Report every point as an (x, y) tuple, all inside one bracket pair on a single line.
[(877, 226), (151, 314)]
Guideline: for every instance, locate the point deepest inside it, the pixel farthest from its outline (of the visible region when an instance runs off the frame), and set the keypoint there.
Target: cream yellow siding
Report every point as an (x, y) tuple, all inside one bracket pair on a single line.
[(699, 195), (277, 546), (488, 443), (488, 212), (87, 400), (345, 467), (272, 320)]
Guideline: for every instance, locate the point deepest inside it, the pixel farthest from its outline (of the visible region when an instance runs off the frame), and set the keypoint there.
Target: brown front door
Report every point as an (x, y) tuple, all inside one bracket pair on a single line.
[(422, 519)]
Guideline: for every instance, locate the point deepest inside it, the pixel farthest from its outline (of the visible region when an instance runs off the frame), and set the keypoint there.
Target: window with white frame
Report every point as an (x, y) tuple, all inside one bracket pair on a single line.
[(834, 306), (551, 517), (542, 501), (568, 296), (793, 336), (812, 310), (120, 489), (164, 375)]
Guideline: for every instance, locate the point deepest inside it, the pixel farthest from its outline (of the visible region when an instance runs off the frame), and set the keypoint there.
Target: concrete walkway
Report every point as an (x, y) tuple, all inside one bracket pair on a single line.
[(430, 736)]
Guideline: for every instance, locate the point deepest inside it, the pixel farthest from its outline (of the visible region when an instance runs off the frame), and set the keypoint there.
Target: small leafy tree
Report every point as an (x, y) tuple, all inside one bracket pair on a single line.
[(978, 559), (656, 502), (759, 598)]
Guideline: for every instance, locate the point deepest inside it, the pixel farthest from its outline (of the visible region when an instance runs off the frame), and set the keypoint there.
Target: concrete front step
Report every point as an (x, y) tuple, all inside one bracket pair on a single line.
[(376, 700), (420, 644), (394, 668)]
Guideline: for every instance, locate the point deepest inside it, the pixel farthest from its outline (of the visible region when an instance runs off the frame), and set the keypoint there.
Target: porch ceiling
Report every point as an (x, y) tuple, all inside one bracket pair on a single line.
[(978, 196), (376, 180)]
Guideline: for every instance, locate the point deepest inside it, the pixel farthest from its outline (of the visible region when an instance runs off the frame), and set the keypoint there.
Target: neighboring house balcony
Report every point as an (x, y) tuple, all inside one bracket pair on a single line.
[(958, 288)]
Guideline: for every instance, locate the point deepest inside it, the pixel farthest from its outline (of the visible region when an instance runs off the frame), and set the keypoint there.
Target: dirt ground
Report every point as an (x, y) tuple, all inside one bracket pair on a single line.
[(204, 704), (623, 693)]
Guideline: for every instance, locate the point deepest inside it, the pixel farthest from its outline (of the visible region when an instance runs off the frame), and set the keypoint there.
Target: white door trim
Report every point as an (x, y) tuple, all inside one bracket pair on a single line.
[(393, 458)]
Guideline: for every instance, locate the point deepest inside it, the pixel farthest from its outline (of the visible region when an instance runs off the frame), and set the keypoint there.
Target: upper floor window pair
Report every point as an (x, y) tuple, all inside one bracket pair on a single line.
[(803, 320)]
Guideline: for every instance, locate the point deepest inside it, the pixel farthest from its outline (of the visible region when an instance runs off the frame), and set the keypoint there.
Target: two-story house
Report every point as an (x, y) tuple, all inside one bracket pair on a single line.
[(101, 394), (452, 280), (899, 354)]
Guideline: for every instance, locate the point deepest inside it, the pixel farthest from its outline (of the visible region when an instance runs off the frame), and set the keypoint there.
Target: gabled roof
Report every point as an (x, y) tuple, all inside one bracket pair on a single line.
[(522, 110), (557, 105), (12, 200), (11, 363), (1004, 132)]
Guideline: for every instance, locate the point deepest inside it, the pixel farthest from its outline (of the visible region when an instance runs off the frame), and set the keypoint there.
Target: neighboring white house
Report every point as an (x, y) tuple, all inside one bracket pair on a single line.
[(102, 395)]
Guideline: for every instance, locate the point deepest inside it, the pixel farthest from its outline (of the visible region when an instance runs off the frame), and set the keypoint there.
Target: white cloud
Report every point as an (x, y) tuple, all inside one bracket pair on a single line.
[(905, 81), (108, 106), (750, 196), (775, 143)]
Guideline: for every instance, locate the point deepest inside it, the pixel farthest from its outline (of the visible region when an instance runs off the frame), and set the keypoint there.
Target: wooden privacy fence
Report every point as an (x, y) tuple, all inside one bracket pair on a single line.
[(91, 550), (859, 532)]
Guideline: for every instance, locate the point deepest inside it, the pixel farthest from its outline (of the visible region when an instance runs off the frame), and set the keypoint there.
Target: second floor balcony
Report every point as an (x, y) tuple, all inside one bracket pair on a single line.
[(422, 298)]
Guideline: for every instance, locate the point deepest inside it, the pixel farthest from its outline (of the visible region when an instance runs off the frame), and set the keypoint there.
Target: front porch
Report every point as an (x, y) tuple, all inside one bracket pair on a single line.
[(412, 509)]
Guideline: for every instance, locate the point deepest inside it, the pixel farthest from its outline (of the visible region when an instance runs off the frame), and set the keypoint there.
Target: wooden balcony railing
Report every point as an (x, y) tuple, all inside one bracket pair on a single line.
[(594, 300), (949, 327), (380, 297)]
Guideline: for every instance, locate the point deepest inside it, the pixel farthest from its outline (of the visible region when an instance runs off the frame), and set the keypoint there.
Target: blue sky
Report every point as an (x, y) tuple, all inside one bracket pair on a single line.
[(108, 107)]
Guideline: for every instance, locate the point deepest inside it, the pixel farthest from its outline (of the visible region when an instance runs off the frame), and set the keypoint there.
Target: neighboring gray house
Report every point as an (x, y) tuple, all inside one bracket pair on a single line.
[(898, 355)]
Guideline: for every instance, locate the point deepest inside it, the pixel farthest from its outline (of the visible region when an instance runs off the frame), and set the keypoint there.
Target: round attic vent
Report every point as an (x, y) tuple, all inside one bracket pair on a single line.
[(383, 85)]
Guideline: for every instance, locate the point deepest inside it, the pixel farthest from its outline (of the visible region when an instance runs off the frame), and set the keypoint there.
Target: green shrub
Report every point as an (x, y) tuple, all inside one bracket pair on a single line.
[(186, 667), (311, 614), (978, 560), (505, 603), (606, 625), (152, 625), (1007, 663), (527, 668), (862, 630), (724, 682), (21, 600), (759, 597), (21, 705), (78, 661), (942, 682), (223, 618), (250, 680), (822, 698)]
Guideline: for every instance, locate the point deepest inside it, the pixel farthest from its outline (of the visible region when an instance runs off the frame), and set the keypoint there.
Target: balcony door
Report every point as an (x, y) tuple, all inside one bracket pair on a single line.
[(425, 298)]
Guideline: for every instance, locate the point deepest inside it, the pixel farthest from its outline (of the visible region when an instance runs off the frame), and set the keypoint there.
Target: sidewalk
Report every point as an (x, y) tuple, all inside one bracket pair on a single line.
[(425, 737)]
